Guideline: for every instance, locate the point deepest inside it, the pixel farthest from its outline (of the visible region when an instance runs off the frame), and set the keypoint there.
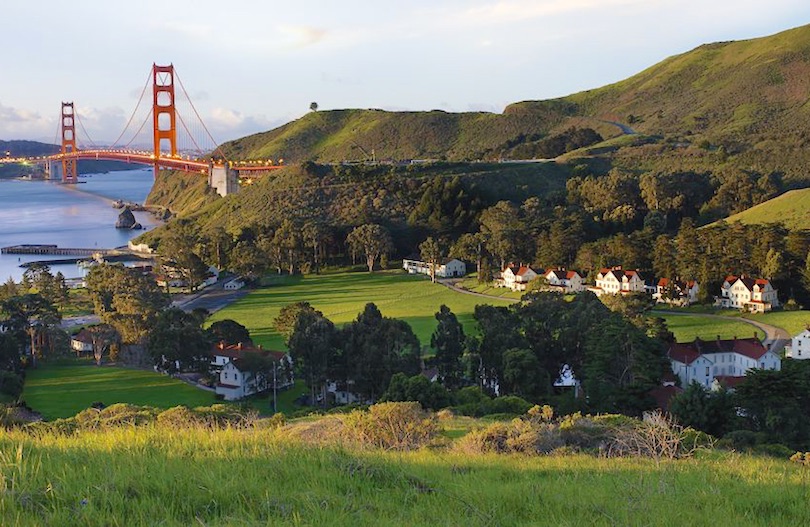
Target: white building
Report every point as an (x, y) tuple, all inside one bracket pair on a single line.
[(82, 342), (725, 360), (799, 347), (567, 281), (232, 285), (676, 292), (235, 382), (516, 278), (615, 281), (447, 268), (750, 294)]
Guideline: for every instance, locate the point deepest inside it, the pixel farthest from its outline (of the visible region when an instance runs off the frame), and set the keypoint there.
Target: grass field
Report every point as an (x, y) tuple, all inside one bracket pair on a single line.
[(64, 390), (794, 322), (687, 327), (342, 296), (471, 284), (791, 208), (160, 476)]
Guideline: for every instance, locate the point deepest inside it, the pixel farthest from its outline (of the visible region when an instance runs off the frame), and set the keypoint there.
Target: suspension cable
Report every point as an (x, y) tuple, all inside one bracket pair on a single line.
[(190, 135), (84, 131), (148, 115), (213, 141), (135, 111)]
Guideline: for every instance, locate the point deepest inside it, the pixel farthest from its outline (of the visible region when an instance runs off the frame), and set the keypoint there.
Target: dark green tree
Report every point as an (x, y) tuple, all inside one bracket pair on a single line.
[(228, 331), (371, 240), (313, 346), (448, 341), (374, 349), (177, 338), (431, 395), (704, 410)]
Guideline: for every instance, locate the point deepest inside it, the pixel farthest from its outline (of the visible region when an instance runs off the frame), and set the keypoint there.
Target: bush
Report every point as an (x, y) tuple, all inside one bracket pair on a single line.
[(509, 404), (390, 426), (10, 383)]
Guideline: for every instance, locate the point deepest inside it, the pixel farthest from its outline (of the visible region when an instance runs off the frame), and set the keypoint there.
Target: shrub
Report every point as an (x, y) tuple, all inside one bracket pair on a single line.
[(509, 404), (10, 383), (390, 426)]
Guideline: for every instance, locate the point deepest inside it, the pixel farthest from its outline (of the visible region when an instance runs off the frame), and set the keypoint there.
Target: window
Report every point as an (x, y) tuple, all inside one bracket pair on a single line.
[(707, 371)]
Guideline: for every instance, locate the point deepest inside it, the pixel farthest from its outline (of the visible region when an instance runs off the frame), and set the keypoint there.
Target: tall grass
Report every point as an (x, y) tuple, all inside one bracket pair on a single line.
[(155, 475)]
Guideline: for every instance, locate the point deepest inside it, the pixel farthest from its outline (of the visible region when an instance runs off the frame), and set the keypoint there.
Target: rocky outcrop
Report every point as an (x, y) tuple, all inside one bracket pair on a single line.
[(126, 219)]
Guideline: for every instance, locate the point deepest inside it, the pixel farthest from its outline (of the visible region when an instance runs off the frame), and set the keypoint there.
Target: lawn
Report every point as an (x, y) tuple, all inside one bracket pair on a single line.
[(687, 327), (342, 296), (471, 284), (64, 390), (794, 322)]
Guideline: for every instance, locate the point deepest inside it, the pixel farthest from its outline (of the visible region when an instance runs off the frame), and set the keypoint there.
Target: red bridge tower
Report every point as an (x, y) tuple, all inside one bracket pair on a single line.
[(70, 171)]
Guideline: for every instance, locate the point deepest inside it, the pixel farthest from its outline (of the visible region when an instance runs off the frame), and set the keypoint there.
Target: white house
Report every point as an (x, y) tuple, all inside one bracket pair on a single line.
[(706, 361), (213, 276), (615, 281), (756, 295), (516, 278), (232, 285), (799, 347), (447, 268), (235, 382), (676, 292), (82, 342), (566, 281)]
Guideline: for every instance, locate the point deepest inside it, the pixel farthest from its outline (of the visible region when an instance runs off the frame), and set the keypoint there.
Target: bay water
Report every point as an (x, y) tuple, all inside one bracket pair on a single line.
[(81, 215)]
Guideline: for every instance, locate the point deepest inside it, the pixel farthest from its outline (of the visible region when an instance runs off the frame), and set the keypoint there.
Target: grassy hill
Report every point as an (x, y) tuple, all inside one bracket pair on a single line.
[(172, 476), (726, 105), (791, 208)]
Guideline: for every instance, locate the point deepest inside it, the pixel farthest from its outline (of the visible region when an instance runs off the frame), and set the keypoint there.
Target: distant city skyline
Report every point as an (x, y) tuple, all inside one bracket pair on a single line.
[(251, 66)]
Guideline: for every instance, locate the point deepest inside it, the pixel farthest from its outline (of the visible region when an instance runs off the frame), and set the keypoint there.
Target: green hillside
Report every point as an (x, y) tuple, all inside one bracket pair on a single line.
[(721, 106), (791, 208)]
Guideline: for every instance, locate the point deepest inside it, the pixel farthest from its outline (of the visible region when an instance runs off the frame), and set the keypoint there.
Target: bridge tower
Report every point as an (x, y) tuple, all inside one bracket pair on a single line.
[(70, 170), (164, 116)]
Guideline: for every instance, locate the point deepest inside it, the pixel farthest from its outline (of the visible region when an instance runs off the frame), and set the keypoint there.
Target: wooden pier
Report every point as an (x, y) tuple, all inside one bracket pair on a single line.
[(54, 250)]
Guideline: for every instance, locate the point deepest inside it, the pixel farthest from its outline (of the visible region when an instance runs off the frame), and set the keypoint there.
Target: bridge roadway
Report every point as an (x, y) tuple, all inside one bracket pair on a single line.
[(174, 163)]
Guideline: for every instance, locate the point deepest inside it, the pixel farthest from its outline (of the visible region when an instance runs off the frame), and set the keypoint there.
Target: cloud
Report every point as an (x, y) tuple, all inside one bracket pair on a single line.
[(506, 11), (226, 124), (303, 36), (23, 124)]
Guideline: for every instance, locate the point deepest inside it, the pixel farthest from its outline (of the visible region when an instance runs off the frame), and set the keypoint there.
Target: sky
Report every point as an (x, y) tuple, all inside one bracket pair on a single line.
[(252, 65)]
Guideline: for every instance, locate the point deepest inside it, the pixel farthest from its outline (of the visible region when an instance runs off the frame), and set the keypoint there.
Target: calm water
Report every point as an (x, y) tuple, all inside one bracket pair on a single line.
[(44, 212)]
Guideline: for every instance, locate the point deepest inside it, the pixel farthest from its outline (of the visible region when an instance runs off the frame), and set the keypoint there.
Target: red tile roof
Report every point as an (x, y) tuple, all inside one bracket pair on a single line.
[(663, 395), (687, 352)]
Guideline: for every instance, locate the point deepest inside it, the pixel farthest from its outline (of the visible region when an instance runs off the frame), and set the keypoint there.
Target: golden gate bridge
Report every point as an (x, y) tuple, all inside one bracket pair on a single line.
[(223, 174)]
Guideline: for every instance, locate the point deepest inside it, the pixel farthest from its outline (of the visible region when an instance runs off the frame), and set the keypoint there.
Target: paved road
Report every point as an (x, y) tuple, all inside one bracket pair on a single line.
[(454, 285), (775, 337), (212, 298)]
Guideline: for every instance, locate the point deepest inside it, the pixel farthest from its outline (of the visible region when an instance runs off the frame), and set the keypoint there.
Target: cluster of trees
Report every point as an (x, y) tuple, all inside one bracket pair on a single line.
[(522, 350), (30, 324), (767, 407), (361, 357)]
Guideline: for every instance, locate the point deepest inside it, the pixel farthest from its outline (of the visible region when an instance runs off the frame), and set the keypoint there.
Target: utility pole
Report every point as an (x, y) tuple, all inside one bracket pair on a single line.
[(275, 408)]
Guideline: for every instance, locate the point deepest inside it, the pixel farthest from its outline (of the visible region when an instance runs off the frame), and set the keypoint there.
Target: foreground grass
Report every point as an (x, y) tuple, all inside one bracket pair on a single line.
[(159, 476), (342, 296), (64, 390), (687, 327)]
